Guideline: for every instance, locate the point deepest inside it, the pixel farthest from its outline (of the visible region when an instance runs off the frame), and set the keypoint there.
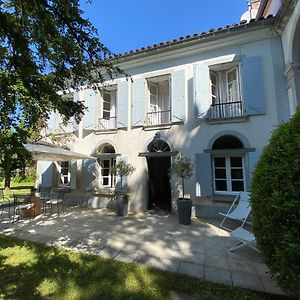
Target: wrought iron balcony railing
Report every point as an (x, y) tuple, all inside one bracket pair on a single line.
[(226, 110), (107, 124), (159, 117)]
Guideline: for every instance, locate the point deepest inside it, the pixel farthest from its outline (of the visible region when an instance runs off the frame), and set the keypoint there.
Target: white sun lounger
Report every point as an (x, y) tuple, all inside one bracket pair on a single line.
[(244, 238)]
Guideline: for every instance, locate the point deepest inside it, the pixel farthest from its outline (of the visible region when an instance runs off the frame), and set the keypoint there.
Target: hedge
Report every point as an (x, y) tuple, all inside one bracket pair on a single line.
[(275, 199)]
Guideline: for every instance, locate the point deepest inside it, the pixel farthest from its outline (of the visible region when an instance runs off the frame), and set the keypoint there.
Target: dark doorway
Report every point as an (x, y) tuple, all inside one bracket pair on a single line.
[(159, 190)]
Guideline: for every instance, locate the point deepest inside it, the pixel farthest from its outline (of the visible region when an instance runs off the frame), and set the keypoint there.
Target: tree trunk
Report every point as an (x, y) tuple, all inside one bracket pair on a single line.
[(7, 180), (182, 188)]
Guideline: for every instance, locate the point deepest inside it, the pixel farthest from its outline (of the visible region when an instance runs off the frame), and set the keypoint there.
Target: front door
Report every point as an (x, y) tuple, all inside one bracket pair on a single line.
[(159, 190)]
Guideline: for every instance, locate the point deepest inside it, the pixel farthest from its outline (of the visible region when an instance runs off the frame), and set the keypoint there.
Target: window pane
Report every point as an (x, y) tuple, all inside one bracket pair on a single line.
[(232, 76), (64, 171), (220, 173), (237, 186), (106, 97), (106, 106), (236, 161), (105, 163), (64, 164), (105, 181), (237, 173), (66, 180), (153, 100), (221, 185), (105, 172), (106, 115), (219, 161)]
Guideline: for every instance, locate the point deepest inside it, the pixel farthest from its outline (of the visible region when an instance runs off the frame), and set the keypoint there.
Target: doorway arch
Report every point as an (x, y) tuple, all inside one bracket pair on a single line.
[(159, 163)]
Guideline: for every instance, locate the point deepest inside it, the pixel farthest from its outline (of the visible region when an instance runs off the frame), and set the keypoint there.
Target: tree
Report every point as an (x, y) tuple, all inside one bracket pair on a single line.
[(13, 156), (122, 168), (183, 168), (275, 200), (46, 46)]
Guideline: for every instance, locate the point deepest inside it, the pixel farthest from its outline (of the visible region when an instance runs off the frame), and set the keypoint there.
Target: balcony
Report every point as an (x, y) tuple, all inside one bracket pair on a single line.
[(107, 124), (227, 110), (158, 118)]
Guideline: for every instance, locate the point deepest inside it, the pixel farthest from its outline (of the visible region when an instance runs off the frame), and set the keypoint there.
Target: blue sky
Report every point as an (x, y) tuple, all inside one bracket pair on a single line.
[(129, 24)]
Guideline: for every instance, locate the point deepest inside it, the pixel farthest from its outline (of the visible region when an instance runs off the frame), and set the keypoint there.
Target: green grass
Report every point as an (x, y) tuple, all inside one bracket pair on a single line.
[(34, 271), (22, 188)]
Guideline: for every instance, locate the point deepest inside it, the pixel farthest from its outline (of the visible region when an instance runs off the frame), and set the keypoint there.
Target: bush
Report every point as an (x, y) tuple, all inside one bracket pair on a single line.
[(275, 197)]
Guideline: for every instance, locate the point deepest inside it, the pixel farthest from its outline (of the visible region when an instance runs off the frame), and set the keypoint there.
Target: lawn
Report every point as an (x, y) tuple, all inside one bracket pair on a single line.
[(34, 271), (22, 188)]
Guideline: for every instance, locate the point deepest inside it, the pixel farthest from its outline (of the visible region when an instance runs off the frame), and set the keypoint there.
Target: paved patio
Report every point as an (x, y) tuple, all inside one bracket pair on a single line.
[(200, 250)]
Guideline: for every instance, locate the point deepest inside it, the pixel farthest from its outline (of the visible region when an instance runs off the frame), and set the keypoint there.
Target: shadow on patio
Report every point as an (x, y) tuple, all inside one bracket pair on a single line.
[(200, 250)]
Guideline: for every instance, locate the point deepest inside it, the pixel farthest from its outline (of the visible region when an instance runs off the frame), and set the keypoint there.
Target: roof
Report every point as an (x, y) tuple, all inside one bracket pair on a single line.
[(235, 27)]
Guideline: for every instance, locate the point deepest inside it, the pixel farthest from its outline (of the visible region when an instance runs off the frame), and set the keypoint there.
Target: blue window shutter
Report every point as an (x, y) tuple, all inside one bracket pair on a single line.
[(73, 171), (204, 174), (138, 102), (178, 96), (90, 112), (253, 159), (253, 86), (47, 175), (88, 173), (51, 122), (122, 104), (202, 97)]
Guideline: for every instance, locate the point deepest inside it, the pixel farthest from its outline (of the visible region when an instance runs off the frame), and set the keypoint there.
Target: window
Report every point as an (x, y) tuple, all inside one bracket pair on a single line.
[(106, 161), (228, 169), (108, 111), (228, 173), (159, 111), (225, 92), (65, 173)]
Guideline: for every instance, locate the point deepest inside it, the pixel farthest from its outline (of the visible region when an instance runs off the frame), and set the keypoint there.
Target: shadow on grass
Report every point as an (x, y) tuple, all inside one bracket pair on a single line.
[(33, 271)]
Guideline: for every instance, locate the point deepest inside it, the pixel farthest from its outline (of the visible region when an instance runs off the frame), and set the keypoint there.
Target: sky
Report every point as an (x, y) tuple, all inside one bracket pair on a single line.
[(125, 25)]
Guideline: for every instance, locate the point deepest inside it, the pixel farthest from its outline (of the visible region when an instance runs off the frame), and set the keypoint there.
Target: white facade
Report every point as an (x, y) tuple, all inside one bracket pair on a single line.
[(214, 98)]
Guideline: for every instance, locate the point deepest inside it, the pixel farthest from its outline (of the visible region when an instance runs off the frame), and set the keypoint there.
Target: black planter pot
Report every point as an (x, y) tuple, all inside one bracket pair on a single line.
[(184, 211), (122, 205)]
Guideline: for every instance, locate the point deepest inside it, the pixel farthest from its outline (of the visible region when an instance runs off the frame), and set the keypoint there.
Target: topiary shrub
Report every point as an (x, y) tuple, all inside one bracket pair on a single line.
[(275, 198)]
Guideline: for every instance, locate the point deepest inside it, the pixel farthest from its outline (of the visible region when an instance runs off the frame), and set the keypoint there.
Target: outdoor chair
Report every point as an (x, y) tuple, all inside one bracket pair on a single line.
[(4, 202), (239, 210), (20, 205), (244, 238), (56, 199)]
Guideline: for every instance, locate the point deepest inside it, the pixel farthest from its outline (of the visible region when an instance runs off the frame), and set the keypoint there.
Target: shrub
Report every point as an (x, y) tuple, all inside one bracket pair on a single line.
[(275, 197)]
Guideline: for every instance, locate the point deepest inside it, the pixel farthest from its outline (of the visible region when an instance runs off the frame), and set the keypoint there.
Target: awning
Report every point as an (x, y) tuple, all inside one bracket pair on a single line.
[(158, 154), (54, 153)]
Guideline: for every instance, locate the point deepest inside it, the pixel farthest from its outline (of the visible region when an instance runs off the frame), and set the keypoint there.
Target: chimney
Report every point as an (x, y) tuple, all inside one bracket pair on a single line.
[(253, 6)]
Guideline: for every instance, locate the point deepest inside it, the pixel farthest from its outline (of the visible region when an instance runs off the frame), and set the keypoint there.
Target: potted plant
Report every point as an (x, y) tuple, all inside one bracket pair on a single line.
[(121, 169), (183, 168)]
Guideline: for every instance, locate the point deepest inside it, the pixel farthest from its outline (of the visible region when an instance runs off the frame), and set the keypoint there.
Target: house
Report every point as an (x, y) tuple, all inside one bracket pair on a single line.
[(213, 96)]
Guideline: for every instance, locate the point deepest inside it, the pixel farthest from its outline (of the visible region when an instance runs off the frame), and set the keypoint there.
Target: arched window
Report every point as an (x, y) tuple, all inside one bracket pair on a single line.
[(228, 166), (158, 145), (106, 160)]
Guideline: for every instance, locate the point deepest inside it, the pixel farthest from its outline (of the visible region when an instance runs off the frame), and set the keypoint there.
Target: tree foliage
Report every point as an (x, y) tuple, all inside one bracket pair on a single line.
[(39, 37), (46, 46), (13, 156), (122, 168), (275, 197)]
